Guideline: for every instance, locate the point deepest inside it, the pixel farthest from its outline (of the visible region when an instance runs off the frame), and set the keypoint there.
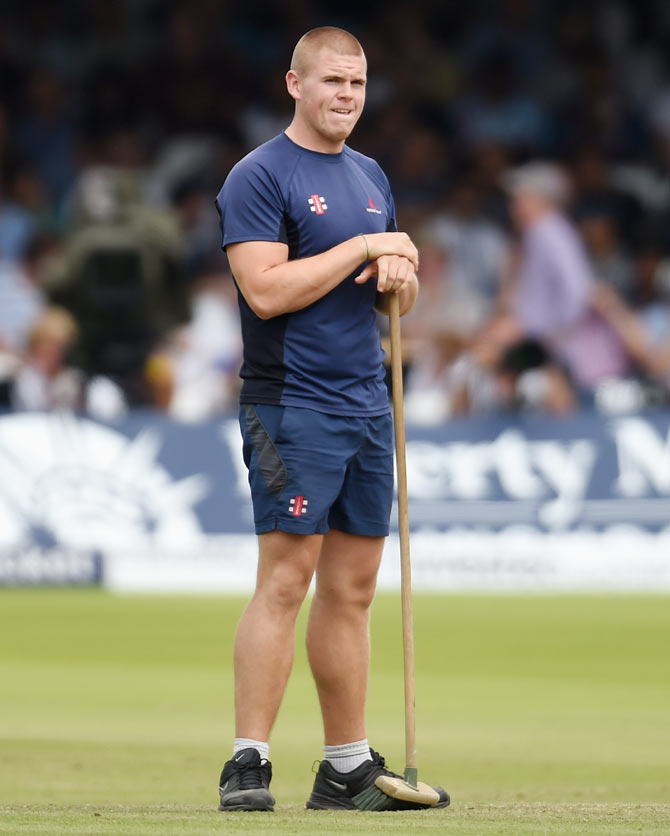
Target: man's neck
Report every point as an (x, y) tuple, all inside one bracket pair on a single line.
[(311, 141)]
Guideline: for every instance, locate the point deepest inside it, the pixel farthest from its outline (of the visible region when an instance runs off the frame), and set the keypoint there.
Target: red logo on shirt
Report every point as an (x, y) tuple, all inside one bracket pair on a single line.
[(317, 203), (372, 207), (298, 505)]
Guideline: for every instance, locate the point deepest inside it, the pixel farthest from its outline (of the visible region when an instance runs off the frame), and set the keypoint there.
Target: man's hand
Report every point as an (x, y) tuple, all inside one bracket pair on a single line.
[(390, 243), (394, 273)]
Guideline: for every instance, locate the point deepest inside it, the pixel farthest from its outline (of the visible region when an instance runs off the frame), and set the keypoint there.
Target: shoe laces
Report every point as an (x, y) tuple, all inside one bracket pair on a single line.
[(252, 775), (380, 761)]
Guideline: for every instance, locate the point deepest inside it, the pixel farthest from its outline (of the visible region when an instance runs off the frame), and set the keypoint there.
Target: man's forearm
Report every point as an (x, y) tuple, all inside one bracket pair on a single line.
[(273, 285), (293, 285)]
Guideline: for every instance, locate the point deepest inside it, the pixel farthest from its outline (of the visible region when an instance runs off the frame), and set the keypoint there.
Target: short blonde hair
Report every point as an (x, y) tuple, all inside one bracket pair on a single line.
[(54, 324), (330, 37)]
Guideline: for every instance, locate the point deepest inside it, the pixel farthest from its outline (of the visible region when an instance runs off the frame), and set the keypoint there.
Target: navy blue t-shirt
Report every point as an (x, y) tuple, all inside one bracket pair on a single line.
[(327, 356)]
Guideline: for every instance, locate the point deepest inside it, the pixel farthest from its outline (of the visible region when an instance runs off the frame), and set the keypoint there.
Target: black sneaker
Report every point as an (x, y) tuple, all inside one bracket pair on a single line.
[(245, 783), (360, 789)]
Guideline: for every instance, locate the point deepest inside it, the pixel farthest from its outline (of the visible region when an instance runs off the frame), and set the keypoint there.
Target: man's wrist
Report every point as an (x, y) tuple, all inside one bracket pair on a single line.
[(365, 241)]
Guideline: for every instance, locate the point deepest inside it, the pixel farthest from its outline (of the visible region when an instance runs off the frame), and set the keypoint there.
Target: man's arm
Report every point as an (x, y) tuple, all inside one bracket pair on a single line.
[(630, 328), (273, 285)]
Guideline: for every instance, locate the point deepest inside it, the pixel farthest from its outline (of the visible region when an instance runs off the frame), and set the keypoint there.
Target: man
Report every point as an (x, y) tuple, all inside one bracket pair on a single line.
[(552, 298), (309, 229)]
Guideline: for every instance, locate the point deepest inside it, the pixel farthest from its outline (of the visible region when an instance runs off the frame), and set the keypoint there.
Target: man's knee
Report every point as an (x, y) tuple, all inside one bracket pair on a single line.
[(347, 571), (285, 570), (285, 587), (348, 593)]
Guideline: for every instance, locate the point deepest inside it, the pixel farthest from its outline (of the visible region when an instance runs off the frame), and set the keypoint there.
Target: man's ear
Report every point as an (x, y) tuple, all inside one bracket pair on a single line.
[(293, 84)]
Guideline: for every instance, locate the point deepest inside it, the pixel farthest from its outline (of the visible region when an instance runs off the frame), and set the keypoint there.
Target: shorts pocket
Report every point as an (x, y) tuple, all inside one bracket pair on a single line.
[(270, 463)]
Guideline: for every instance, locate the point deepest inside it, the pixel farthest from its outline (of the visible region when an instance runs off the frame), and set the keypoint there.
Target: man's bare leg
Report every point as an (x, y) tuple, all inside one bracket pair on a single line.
[(265, 640), (338, 640)]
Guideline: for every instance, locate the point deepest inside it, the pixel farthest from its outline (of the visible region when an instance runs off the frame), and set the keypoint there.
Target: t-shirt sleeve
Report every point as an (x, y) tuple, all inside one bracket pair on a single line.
[(392, 224), (251, 207)]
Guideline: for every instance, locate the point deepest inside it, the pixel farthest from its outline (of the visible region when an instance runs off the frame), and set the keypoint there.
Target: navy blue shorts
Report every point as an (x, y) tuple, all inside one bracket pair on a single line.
[(310, 472)]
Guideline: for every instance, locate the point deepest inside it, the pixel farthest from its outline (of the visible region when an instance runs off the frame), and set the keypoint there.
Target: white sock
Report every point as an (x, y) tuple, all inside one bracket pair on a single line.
[(348, 756), (261, 746)]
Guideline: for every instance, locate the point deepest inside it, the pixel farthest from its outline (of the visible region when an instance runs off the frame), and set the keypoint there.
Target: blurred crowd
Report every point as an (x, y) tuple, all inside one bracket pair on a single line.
[(528, 147)]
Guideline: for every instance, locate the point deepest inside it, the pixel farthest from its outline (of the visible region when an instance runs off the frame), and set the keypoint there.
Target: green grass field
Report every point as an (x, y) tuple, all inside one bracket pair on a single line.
[(541, 715)]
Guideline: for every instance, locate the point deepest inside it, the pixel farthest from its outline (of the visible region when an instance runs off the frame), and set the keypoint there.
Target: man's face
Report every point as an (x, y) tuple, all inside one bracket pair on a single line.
[(329, 96), (527, 207)]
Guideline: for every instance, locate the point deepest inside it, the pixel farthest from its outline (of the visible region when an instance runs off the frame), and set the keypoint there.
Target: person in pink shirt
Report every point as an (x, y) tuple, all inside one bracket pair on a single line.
[(550, 296)]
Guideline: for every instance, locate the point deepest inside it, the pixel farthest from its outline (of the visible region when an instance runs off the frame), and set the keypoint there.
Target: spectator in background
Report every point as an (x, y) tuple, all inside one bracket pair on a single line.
[(595, 194), (21, 295), (452, 302), (16, 226), (195, 374), (597, 111), (518, 27), (25, 209), (609, 261), (530, 379), (645, 331), (420, 173), (45, 381), (499, 111), (122, 276), (23, 199), (550, 296), (501, 371), (179, 90), (477, 248), (191, 201), (489, 163), (267, 114), (192, 74), (46, 132), (11, 69), (439, 327), (655, 315)]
